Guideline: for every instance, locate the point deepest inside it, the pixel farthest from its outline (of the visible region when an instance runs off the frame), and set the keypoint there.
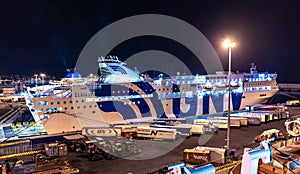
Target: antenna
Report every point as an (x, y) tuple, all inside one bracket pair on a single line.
[(253, 68)]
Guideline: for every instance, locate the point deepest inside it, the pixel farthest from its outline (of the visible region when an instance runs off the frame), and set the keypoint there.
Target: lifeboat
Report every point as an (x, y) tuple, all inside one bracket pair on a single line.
[(234, 85), (220, 86), (207, 87)]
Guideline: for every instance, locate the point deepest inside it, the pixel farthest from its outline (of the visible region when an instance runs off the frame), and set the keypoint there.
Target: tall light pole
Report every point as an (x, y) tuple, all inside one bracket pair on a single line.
[(43, 77), (36, 75), (228, 44)]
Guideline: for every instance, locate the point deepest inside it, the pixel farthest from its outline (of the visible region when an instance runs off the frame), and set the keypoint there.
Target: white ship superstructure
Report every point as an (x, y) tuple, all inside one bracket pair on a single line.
[(122, 94)]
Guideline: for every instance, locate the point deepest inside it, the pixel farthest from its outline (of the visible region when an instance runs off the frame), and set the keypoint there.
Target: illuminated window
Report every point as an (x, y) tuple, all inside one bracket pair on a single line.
[(40, 103), (49, 109)]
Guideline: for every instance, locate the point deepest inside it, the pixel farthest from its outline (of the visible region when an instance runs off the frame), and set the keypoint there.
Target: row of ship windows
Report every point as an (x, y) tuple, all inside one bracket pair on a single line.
[(129, 103), (216, 77), (223, 80), (178, 82), (41, 103), (159, 89), (136, 90), (256, 84), (65, 108), (78, 107), (84, 94), (45, 103), (58, 109), (261, 95), (256, 88)]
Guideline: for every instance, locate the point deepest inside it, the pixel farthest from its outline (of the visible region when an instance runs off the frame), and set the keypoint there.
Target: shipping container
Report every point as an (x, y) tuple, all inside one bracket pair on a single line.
[(194, 156)]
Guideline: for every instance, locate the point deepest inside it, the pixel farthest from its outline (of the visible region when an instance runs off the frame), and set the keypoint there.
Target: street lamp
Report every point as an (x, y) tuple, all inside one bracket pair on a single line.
[(228, 44), (43, 77)]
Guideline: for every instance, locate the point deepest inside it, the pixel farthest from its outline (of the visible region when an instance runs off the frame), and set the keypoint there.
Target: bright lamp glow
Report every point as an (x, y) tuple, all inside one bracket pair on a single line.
[(227, 43)]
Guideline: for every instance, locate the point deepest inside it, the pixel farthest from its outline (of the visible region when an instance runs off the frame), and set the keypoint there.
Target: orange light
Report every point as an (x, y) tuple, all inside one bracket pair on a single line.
[(227, 43)]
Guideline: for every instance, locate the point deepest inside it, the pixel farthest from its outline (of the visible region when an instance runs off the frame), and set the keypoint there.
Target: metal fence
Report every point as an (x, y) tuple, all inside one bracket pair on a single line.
[(8, 150)]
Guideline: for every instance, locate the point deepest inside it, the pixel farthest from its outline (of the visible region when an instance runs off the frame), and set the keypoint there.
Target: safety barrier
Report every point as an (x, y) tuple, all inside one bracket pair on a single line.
[(20, 154)]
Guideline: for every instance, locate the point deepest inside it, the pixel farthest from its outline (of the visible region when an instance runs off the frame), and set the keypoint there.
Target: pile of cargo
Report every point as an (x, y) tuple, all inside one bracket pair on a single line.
[(253, 115), (55, 149), (150, 131), (203, 155)]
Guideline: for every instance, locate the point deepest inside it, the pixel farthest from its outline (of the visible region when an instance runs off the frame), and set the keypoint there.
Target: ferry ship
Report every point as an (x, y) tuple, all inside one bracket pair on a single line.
[(120, 93)]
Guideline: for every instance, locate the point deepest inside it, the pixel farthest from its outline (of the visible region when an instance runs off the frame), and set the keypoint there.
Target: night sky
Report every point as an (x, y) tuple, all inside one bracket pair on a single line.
[(48, 36)]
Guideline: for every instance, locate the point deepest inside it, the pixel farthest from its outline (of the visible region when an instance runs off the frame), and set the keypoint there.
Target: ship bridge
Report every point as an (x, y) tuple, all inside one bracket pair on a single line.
[(112, 70)]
